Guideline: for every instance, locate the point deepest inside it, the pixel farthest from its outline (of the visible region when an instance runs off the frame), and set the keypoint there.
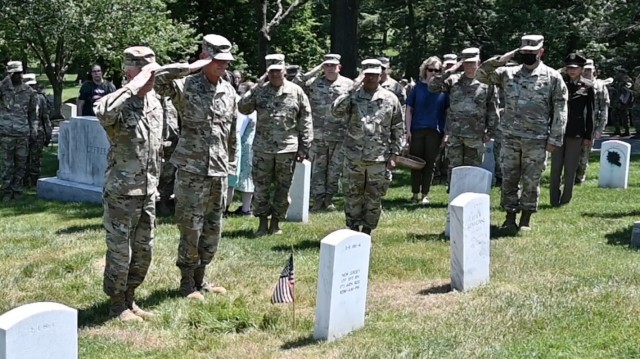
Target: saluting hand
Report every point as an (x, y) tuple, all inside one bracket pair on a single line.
[(508, 56), (453, 68)]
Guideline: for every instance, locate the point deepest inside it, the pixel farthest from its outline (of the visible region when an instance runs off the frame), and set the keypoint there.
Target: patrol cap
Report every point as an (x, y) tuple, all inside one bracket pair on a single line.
[(574, 60), (471, 54), (331, 59), (531, 42), (14, 66), (371, 66), (29, 79), (293, 69), (384, 62), (217, 47), (139, 56), (589, 64), (449, 59), (275, 62)]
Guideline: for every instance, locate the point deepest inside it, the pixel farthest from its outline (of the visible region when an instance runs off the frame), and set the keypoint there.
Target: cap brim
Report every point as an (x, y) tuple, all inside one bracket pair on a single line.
[(154, 66), (275, 67), (589, 67), (31, 82), (223, 56), (530, 48), (332, 62), (472, 59), (14, 71), (572, 65), (372, 71), (449, 62)]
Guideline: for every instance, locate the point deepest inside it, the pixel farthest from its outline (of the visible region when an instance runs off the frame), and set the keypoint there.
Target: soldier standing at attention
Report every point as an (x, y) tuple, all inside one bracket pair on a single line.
[(43, 127), (533, 122), (284, 131), (388, 83), (132, 119), (328, 132), (170, 137), (473, 111), (206, 104), (375, 136), (18, 112)]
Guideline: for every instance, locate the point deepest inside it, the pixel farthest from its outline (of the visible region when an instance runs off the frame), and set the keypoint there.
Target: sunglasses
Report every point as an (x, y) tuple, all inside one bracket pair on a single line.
[(434, 70)]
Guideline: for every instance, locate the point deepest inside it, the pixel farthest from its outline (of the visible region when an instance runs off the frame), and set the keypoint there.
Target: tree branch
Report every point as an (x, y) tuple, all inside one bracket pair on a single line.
[(279, 16)]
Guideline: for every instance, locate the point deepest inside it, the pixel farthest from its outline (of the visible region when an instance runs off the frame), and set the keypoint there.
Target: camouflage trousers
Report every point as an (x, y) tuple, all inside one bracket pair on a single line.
[(497, 148), (328, 160), (14, 152), (167, 180), (620, 117), (130, 225), (35, 158), (272, 175), (364, 185), (200, 203), (463, 151), (583, 163), (523, 161)]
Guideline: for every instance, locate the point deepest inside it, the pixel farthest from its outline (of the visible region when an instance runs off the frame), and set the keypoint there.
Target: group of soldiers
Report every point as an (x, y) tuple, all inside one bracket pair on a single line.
[(25, 129)]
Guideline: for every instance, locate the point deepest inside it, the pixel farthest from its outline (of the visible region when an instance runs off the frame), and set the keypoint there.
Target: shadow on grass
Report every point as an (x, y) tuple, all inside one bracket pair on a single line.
[(238, 233), (612, 215), (436, 289), (301, 246), (621, 237), (499, 232), (30, 204), (80, 229), (405, 203), (159, 296), (94, 315), (299, 343), (437, 237)]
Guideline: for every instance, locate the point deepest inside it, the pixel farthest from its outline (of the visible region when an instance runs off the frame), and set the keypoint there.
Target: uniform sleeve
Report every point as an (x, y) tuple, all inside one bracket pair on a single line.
[(341, 106), (493, 116), (247, 103), (304, 123), (402, 94), (397, 130), (233, 139), (589, 117), (170, 82), (559, 111), (108, 108), (603, 108), (440, 83), (32, 112), (490, 73)]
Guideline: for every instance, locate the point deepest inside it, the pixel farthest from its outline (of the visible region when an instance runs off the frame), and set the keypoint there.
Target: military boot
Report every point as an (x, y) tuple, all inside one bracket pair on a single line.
[(129, 297), (510, 221), (524, 221), (366, 230), (328, 203), (202, 284), (119, 310), (318, 205), (274, 227), (263, 227), (187, 286)]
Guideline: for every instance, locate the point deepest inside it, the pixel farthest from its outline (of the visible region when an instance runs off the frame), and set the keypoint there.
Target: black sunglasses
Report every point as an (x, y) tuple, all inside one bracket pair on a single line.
[(434, 70)]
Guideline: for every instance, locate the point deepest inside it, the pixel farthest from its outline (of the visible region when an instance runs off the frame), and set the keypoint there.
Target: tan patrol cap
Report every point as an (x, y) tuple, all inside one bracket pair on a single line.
[(217, 47), (331, 59), (139, 56), (275, 62), (532, 42), (449, 59), (29, 79), (14, 66), (371, 66), (471, 54)]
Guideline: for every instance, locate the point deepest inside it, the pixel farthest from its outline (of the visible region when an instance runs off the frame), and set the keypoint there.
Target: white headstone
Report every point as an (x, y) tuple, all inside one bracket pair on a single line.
[(39, 331), (467, 179), (470, 242), (489, 160), (299, 193), (82, 157), (69, 110), (342, 284), (614, 164)]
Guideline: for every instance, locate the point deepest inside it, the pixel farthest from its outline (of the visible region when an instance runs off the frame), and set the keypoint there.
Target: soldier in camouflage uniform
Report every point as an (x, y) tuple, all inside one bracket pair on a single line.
[(600, 113), (328, 132), (207, 107), (132, 119), (388, 83), (375, 136), (472, 114), (533, 122), (18, 116), (497, 143), (43, 125), (284, 131), (621, 103), (170, 136)]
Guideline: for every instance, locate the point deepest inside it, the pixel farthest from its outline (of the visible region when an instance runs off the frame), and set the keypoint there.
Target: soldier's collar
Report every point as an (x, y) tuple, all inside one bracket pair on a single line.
[(208, 86)]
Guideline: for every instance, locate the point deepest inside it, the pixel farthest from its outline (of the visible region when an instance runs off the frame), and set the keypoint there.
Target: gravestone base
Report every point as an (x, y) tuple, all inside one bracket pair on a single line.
[(56, 189), (635, 235)]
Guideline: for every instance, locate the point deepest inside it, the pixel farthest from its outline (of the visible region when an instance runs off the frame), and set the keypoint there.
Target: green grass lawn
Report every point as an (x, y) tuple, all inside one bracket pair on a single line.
[(570, 288), (71, 88)]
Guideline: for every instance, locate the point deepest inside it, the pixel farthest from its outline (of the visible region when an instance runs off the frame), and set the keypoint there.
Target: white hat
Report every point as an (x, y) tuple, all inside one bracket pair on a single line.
[(589, 64), (29, 79), (531, 42), (217, 47), (331, 59), (14, 66), (471, 54), (450, 59), (371, 66), (275, 62)]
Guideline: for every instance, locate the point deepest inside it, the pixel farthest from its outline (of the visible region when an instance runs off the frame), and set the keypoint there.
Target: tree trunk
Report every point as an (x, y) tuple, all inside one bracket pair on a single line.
[(57, 84), (413, 57), (263, 42), (344, 34)]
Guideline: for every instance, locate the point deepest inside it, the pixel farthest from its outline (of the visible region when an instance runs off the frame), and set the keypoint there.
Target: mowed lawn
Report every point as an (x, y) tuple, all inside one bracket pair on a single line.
[(568, 289)]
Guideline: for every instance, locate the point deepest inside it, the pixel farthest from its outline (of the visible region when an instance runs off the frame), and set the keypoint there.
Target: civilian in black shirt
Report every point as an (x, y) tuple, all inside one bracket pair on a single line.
[(577, 133), (92, 91)]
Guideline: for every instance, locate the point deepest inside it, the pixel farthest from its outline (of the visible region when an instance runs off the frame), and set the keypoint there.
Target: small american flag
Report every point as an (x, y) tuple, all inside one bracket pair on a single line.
[(284, 289)]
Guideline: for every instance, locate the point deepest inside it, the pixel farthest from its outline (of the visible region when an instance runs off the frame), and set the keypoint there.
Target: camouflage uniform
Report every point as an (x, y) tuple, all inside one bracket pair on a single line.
[(134, 128), (284, 126), (619, 108), (635, 109), (397, 89), (535, 115), (43, 125), (328, 135), (375, 131), (18, 116), (206, 146), (170, 136), (472, 114), (601, 110)]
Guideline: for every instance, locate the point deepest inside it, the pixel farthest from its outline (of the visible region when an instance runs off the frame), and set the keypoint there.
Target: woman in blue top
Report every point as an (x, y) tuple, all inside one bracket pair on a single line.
[(425, 119)]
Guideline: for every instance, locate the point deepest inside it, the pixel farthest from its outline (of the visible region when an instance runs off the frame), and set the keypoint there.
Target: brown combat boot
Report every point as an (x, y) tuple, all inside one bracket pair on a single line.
[(203, 285), (187, 286), (328, 204), (274, 227), (510, 221), (129, 297), (263, 227), (524, 221), (120, 311)]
